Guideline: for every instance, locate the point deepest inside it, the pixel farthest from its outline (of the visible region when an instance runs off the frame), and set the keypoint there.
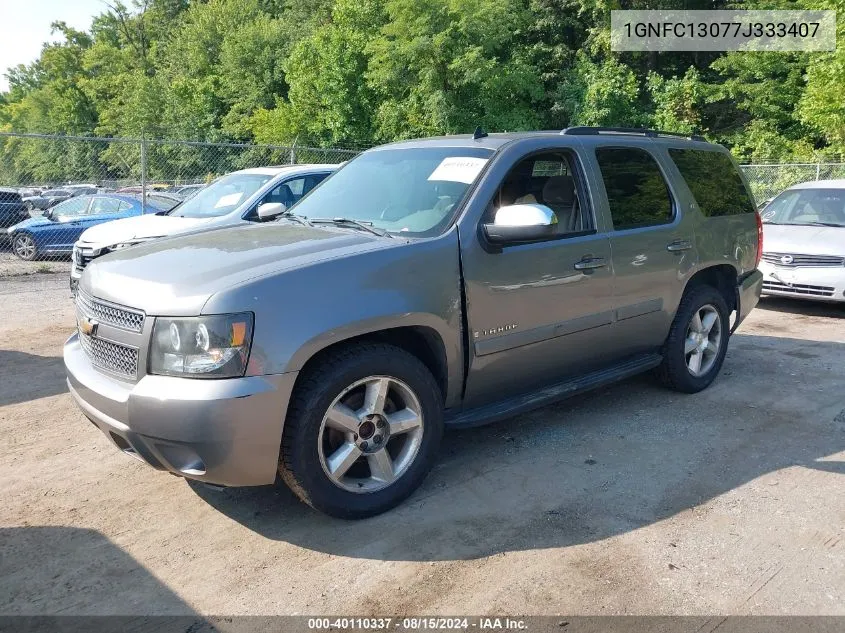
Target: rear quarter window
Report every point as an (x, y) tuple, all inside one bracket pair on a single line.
[(714, 182)]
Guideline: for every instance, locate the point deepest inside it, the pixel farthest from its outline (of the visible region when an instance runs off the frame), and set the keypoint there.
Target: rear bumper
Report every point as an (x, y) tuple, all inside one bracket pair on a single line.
[(747, 295), (226, 432)]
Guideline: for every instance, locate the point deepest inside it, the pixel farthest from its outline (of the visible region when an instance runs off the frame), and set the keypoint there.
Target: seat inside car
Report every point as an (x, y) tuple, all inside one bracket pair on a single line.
[(559, 195)]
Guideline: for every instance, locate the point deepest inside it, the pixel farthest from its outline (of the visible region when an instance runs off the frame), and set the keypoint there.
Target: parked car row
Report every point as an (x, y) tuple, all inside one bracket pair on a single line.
[(41, 199), (430, 283), (242, 197), (55, 231)]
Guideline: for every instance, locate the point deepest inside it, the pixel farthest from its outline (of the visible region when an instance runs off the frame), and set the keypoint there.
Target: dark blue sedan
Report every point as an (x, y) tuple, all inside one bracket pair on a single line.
[(55, 232)]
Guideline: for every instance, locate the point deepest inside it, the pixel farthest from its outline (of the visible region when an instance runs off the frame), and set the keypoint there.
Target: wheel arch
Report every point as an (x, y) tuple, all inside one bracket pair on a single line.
[(723, 277), (421, 341)]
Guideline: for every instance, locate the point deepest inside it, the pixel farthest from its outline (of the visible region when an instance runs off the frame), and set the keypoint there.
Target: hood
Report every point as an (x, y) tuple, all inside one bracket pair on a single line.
[(177, 275), (139, 227), (806, 240)]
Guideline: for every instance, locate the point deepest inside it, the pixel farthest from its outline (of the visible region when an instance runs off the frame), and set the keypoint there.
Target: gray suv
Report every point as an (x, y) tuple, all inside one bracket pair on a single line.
[(444, 282)]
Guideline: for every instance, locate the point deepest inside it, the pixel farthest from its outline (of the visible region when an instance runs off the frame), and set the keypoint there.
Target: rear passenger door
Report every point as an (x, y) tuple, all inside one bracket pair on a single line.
[(651, 244)]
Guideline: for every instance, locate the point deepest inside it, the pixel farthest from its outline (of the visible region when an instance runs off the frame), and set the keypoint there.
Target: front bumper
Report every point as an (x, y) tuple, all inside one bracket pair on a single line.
[(816, 283), (224, 431)]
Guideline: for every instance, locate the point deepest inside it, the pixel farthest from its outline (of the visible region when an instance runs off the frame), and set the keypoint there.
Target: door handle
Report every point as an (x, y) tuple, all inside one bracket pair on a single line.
[(589, 263), (679, 245)]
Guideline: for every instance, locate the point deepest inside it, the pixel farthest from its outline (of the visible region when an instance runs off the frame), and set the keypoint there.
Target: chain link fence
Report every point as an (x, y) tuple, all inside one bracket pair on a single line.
[(767, 181), (52, 188)]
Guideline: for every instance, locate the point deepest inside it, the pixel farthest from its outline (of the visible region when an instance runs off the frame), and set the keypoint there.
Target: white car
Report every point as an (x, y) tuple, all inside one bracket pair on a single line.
[(804, 242), (231, 199)]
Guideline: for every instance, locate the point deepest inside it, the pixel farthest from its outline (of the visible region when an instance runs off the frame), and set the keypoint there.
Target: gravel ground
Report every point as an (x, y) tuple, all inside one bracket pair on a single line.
[(628, 500)]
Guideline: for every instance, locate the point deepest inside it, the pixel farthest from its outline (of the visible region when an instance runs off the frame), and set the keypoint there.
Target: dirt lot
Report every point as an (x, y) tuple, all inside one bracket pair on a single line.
[(628, 500)]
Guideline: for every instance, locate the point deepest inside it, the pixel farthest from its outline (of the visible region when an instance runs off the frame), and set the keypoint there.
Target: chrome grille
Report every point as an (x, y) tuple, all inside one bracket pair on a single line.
[(796, 260), (123, 318), (113, 357), (799, 289)]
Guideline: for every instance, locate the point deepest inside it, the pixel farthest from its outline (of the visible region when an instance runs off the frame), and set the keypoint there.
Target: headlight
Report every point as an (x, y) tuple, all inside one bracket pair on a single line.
[(201, 347)]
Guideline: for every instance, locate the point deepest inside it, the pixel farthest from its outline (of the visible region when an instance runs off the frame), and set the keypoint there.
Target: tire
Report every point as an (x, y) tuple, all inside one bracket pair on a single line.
[(677, 371), (313, 442), (23, 244)]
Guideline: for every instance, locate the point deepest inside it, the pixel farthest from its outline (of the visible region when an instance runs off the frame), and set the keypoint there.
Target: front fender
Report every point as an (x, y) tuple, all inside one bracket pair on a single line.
[(298, 313)]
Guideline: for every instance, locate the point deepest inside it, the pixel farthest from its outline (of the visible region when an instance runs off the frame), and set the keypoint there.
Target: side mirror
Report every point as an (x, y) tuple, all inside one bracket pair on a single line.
[(270, 210), (48, 213), (521, 223)]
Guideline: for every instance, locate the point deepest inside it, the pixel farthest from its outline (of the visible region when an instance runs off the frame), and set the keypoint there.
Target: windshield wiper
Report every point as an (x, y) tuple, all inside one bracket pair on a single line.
[(358, 224), (301, 219), (821, 224)]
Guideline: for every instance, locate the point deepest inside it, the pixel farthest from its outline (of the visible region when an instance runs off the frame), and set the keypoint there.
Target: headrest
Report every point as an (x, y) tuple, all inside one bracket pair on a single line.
[(559, 190)]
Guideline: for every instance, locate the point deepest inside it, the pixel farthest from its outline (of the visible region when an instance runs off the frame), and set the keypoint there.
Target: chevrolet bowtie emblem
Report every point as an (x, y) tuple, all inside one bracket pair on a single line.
[(88, 326)]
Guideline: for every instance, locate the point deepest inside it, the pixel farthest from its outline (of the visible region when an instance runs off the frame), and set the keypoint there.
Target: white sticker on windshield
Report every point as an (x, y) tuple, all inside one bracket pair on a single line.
[(458, 169), (229, 200)]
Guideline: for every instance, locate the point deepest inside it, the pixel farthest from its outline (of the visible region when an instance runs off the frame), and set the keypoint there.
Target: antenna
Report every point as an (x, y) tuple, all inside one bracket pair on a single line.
[(479, 133)]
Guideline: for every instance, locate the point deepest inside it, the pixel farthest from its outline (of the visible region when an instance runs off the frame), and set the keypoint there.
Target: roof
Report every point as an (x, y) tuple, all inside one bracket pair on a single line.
[(285, 169), (820, 184), (494, 141)]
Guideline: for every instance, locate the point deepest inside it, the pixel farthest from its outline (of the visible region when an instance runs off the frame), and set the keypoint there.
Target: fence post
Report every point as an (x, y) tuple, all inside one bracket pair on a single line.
[(818, 167), (143, 174), (292, 158)]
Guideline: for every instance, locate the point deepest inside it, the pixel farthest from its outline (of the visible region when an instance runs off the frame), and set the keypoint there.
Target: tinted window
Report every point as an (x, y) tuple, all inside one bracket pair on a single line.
[(807, 207), (313, 181), (713, 181), (296, 186), (636, 191)]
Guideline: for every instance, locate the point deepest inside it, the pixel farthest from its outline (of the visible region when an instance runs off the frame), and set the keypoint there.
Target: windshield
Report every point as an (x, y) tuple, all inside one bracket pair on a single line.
[(807, 207), (407, 191), (222, 196)]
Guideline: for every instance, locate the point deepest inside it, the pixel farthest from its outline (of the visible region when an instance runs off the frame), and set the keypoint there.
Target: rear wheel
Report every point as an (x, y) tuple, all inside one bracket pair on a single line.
[(698, 341), (24, 246), (362, 431)]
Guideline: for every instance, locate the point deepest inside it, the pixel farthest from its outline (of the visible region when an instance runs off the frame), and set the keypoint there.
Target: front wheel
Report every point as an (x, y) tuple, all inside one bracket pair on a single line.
[(24, 246), (362, 431), (697, 341)]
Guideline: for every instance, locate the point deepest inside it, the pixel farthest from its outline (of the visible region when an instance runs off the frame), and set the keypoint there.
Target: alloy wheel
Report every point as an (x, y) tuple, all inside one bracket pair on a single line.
[(24, 246), (703, 340), (371, 434)]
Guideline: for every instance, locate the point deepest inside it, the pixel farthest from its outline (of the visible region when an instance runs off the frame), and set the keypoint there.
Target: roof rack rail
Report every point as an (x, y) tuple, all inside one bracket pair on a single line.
[(583, 130)]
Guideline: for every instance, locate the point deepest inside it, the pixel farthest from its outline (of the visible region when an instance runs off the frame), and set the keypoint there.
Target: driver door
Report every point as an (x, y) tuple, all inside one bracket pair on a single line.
[(538, 312), (66, 224)]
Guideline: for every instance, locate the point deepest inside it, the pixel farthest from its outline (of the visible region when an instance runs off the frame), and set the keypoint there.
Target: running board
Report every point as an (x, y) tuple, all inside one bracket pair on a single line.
[(520, 404)]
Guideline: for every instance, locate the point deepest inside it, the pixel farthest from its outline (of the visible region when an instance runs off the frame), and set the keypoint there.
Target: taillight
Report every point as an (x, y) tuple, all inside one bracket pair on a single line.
[(759, 239)]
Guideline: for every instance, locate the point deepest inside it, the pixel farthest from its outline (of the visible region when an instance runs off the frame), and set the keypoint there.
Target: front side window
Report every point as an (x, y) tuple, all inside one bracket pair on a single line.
[(412, 191), (807, 207), (222, 196), (636, 190), (714, 182), (104, 205), (546, 179), (74, 206)]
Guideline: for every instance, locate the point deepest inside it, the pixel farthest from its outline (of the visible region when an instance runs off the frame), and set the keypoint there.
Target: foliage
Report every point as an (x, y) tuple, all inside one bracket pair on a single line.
[(357, 72)]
